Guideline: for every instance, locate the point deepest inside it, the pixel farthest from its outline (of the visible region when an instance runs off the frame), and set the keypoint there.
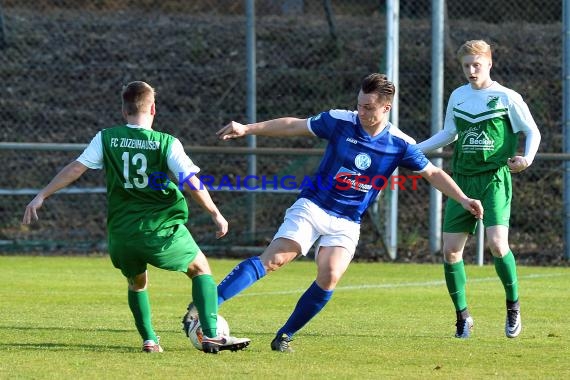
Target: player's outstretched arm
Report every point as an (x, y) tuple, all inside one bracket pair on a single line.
[(444, 183), (200, 195), (67, 175), (286, 126), (440, 139)]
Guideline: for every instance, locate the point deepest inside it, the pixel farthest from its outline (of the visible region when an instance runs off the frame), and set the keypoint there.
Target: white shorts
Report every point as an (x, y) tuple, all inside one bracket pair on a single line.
[(305, 222)]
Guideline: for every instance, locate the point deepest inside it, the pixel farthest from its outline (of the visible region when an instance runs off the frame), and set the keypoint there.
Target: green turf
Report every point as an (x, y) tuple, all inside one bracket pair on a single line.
[(67, 318)]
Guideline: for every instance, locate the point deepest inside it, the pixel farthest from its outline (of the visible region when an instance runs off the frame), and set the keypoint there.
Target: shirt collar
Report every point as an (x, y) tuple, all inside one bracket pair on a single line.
[(137, 126)]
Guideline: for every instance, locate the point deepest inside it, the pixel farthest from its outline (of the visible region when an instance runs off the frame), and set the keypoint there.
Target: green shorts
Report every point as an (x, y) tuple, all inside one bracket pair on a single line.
[(493, 189), (172, 248)]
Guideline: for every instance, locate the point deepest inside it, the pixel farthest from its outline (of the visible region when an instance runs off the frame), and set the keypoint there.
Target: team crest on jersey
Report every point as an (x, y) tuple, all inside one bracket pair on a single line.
[(492, 101), (362, 161)]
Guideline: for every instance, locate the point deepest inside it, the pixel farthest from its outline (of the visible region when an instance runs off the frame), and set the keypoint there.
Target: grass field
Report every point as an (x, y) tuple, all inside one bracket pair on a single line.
[(67, 318)]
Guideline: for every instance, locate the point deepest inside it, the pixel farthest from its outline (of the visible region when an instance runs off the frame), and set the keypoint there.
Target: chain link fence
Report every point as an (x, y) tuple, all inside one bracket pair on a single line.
[(63, 63)]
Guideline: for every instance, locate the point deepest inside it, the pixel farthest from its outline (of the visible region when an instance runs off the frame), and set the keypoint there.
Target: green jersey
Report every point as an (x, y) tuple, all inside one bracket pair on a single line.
[(140, 196), (486, 123)]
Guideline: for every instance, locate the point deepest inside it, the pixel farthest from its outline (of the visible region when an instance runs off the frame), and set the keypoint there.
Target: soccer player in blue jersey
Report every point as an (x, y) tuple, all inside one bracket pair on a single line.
[(486, 119), (363, 150)]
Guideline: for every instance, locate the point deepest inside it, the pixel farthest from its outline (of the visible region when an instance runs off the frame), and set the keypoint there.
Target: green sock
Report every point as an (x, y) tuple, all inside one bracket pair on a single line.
[(140, 307), (205, 297), (455, 278), (506, 268)]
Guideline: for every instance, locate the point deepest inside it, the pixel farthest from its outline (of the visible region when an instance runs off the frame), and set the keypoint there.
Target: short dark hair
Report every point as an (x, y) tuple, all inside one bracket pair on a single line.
[(137, 96), (379, 84)]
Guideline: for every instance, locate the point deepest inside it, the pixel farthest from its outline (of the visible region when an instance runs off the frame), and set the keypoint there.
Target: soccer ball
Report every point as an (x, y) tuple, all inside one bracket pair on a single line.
[(195, 331)]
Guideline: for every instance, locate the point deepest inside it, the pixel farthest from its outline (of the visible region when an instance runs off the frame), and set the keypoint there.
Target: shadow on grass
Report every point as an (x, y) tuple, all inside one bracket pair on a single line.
[(50, 346), (52, 328)]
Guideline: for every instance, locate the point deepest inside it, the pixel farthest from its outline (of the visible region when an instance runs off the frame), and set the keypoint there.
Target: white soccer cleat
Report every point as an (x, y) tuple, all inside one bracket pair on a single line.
[(151, 346), (464, 328), (220, 343), (513, 324)]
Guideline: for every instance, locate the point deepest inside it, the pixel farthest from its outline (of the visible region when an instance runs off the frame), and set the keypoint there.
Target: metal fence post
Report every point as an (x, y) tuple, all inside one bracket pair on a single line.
[(566, 121), (392, 46), (437, 59), (251, 108)]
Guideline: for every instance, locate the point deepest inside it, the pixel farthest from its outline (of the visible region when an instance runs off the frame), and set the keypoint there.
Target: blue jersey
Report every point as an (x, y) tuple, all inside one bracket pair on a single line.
[(356, 166)]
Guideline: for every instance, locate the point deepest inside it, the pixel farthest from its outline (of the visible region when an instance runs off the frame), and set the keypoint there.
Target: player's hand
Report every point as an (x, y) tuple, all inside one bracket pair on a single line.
[(31, 214), (517, 164), (222, 225), (231, 131), (474, 206)]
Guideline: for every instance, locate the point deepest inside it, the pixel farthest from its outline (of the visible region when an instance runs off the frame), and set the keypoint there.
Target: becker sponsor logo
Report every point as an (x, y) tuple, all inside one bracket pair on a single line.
[(477, 141)]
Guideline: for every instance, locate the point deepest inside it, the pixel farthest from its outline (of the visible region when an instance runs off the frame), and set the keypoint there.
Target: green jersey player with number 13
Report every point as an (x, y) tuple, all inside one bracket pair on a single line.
[(485, 119), (147, 212)]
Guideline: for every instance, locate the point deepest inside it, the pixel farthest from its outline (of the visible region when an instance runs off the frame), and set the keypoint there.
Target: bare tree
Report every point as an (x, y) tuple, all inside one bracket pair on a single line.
[(449, 49), (330, 18), (2, 30)]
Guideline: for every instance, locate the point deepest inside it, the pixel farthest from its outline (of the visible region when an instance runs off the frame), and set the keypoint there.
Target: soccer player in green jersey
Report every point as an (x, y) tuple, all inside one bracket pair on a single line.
[(147, 213), (485, 119)]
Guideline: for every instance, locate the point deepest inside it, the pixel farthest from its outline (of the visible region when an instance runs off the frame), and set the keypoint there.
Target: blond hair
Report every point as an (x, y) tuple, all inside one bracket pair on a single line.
[(474, 47), (138, 97)]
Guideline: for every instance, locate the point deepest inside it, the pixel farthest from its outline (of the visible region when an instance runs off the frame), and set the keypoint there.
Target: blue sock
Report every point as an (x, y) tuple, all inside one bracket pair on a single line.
[(240, 278), (309, 305)]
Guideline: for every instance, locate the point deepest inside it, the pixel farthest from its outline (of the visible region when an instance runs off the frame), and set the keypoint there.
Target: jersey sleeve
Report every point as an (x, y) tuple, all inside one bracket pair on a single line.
[(92, 156), (322, 125), (414, 159), (325, 125), (520, 116), (522, 121), (178, 161), (444, 137), (440, 139), (449, 120)]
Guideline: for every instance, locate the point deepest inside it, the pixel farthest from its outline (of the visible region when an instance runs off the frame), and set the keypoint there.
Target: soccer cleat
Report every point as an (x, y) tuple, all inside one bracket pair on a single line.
[(464, 328), (151, 346), (513, 324), (220, 343), (187, 323), (281, 343), (190, 315), (192, 310)]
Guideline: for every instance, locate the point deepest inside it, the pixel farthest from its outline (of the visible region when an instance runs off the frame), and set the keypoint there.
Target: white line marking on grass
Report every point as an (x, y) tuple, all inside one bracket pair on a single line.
[(399, 285)]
